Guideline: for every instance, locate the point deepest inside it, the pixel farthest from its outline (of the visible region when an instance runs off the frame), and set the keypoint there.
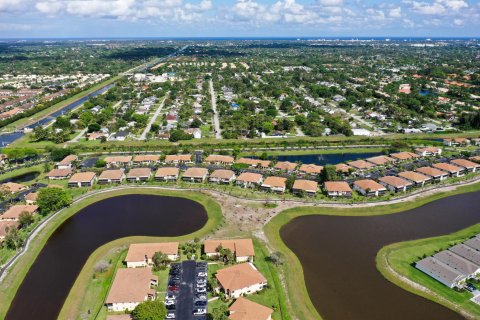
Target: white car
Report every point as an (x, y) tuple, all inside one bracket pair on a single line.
[(202, 274), (201, 285), (200, 312), (169, 302), (171, 315), (201, 290)]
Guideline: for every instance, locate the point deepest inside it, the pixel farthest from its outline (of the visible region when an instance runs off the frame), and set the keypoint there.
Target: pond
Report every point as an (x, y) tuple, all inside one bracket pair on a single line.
[(25, 177), (328, 158), (49, 280), (338, 258)]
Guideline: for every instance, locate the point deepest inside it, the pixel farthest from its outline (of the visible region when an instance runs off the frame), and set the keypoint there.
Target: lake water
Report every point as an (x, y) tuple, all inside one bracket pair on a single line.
[(329, 158), (48, 282), (338, 258), (29, 176)]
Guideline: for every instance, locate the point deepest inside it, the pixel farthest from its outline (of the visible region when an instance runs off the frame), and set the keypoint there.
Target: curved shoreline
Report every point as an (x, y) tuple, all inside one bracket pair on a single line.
[(17, 269)]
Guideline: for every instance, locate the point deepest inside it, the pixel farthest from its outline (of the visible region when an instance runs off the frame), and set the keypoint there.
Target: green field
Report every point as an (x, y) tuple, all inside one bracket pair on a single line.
[(401, 256)]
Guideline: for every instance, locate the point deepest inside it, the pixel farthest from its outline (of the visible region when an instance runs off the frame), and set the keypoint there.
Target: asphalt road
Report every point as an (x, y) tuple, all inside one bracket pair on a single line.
[(185, 297)]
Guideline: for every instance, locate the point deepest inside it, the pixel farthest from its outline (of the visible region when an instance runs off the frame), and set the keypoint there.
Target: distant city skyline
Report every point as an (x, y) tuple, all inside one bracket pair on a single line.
[(239, 18)]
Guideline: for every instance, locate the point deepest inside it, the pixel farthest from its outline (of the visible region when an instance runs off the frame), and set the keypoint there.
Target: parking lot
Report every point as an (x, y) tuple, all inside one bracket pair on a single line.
[(186, 297)]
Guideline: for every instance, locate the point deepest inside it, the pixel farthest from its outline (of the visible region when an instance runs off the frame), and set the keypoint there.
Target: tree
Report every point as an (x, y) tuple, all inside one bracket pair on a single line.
[(25, 218), (225, 254), (52, 199), (160, 260), (94, 127), (40, 134), (329, 173), (60, 153), (150, 310), (220, 313), (100, 163), (12, 238)]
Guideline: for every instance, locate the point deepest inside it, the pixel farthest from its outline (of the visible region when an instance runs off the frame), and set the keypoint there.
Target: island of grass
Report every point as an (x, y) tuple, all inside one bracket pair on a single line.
[(396, 262)]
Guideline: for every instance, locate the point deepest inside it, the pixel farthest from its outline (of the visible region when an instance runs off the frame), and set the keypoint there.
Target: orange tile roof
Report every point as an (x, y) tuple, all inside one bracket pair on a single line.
[(118, 159), (404, 155), (131, 285), (146, 157), (286, 166), (311, 168), (337, 186), (195, 172), (138, 251), (13, 187), (342, 167), (222, 174), (361, 164), (7, 224), (447, 167), (278, 182), (239, 276), (60, 173), (414, 176), (368, 184), (249, 177), (395, 181), (475, 158), (380, 160), (240, 247), (465, 163), (68, 160), (139, 173), (14, 211), (32, 196), (167, 171), (243, 309), (111, 175), (429, 171), (306, 185), (82, 177), (219, 158), (179, 157)]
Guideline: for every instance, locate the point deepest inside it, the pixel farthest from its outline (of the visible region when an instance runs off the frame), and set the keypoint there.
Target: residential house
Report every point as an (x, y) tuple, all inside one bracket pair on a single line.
[(82, 179), (310, 169), (59, 174), (195, 175), (404, 156), (343, 168), (428, 151), (222, 176), (242, 249), (441, 272), (275, 184), (435, 174), (244, 309), (381, 160), (13, 187), (369, 187), (139, 174), (395, 184), (31, 198), (118, 161), (240, 279), (249, 180), (255, 163), (178, 159), (67, 162), (453, 171), (361, 165), (285, 166), (96, 136), (111, 176), (462, 265), (13, 213), (468, 166), (131, 287), (167, 174), (337, 189), (140, 254), (418, 179), (146, 160), (308, 187), (219, 159), (456, 142)]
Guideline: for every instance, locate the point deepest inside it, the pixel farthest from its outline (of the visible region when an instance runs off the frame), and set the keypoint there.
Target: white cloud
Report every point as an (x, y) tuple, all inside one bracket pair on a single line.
[(395, 12)]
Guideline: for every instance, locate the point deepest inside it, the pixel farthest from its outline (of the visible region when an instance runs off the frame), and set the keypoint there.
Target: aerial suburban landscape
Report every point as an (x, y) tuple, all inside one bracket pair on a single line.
[(230, 165)]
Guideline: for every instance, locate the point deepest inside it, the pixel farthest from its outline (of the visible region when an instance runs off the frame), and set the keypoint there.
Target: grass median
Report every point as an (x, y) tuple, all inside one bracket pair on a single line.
[(16, 274)]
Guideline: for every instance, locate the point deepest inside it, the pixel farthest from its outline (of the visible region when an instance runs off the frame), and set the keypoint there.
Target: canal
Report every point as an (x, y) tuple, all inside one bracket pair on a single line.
[(25, 177), (338, 258), (328, 158), (8, 138), (49, 280)]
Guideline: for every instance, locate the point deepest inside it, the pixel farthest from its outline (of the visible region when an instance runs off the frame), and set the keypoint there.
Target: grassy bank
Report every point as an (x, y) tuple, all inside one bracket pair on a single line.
[(337, 150), (401, 256), (36, 168), (291, 271), (17, 273)]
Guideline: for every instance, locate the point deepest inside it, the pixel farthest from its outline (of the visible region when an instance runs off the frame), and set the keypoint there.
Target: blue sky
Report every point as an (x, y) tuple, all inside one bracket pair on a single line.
[(237, 18)]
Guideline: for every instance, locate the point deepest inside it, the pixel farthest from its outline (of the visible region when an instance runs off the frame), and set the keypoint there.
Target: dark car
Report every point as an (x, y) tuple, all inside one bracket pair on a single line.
[(200, 303)]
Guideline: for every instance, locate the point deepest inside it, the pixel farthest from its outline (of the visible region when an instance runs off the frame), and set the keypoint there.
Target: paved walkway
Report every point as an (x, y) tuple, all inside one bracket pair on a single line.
[(152, 120), (78, 136), (216, 121)]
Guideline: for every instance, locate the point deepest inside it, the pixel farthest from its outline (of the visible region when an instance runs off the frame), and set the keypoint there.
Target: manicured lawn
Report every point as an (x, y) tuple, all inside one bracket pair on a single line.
[(12, 281), (401, 257), (21, 171), (335, 150), (291, 273)]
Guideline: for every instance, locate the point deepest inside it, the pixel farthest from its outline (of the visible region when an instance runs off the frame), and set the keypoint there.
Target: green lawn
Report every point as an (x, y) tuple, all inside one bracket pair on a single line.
[(401, 256)]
